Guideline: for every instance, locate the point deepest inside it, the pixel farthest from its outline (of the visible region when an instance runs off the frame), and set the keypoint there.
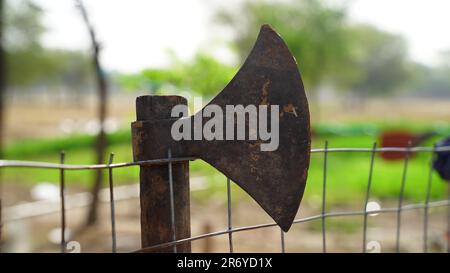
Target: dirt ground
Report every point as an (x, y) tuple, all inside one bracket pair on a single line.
[(34, 118), (40, 234), (344, 234), (40, 119)]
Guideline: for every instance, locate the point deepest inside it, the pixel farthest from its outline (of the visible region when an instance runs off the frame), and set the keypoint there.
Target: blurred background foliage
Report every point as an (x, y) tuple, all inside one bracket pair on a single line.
[(203, 75), (356, 61), (355, 58), (331, 50), (28, 63), (360, 81)]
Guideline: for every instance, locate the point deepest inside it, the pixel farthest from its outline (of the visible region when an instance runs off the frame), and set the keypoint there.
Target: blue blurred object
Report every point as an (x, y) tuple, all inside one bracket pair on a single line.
[(442, 161)]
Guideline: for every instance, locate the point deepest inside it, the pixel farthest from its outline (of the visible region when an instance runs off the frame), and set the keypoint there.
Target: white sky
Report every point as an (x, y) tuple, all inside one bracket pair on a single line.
[(137, 33)]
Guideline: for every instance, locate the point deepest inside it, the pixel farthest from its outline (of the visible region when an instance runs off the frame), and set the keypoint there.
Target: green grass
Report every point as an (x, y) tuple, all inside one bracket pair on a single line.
[(347, 174), (349, 225)]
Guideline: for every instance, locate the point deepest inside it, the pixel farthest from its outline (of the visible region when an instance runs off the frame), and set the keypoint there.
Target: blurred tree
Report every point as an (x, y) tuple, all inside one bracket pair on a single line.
[(315, 32), (69, 68), (381, 60), (330, 50), (433, 81), (24, 24), (23, 28), (28, 62), (203, 75), (444, 58), (102, 92)]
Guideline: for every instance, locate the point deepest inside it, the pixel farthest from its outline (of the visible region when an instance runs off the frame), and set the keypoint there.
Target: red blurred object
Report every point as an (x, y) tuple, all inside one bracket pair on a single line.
[(400, 139)]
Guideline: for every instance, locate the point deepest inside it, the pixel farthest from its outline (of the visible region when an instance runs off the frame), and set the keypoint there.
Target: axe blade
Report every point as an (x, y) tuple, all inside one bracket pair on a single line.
[(274, 179)]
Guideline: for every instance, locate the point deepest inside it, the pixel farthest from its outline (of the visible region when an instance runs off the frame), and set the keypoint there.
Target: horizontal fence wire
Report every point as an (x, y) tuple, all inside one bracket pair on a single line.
[(45, 165), (441, 203), (230, 230)]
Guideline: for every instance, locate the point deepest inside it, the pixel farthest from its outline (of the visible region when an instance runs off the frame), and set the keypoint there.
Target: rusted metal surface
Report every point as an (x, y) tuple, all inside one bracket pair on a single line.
[(274, 179)]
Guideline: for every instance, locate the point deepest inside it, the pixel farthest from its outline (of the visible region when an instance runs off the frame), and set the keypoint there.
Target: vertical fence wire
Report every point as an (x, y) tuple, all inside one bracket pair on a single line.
[(365, 213), (401, 197), (366, 201), (230, 234), (427, 201), (172, 201), (63, 204), (283, 245), (112, 206), (325, 164)]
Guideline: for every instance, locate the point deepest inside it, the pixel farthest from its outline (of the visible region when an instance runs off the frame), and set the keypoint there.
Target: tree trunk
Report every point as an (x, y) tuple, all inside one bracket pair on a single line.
[(101, 141)]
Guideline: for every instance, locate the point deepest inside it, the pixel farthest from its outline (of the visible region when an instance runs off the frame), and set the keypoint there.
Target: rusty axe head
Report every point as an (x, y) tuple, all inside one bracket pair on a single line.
[(274, 177)]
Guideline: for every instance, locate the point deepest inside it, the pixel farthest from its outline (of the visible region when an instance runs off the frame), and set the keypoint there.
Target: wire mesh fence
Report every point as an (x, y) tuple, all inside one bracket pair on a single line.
[(230, 230)]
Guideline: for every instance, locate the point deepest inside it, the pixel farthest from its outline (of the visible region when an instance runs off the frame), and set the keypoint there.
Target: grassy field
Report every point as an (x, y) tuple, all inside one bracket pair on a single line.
[(346, 178)]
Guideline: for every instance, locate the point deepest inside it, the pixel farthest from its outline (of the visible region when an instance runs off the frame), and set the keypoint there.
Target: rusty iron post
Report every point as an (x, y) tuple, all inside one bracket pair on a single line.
[(156, 221)]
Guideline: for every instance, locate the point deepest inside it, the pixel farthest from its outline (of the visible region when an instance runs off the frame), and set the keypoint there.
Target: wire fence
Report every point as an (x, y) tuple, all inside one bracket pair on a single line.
[(364, 212)]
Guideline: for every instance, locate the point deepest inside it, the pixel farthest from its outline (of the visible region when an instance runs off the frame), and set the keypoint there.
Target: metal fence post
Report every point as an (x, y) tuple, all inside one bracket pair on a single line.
[(156, 222)]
